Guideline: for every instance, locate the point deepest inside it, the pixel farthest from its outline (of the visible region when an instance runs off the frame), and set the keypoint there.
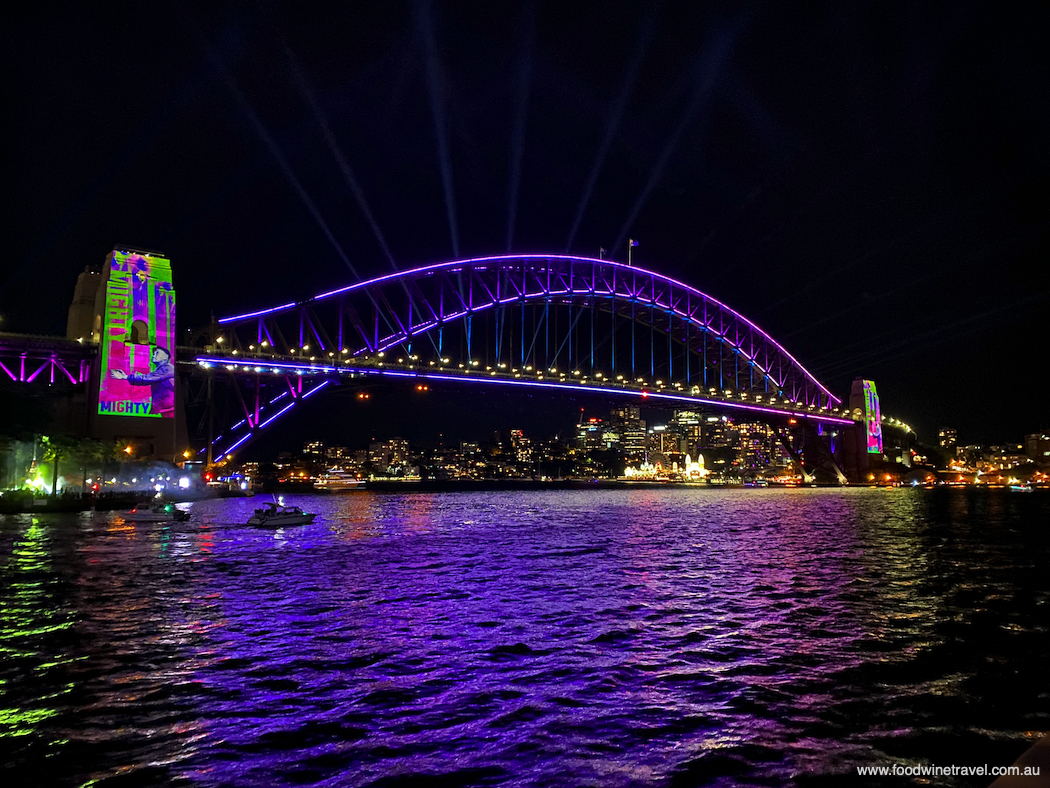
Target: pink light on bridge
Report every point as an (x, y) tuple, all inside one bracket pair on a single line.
[(482, 264)]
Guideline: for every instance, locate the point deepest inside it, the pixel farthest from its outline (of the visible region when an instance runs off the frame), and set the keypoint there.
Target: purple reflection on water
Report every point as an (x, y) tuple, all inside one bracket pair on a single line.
[(624, 638), (544, 641)]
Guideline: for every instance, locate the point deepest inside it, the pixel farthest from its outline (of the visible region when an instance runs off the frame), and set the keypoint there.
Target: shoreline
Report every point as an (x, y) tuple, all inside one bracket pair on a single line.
[(67, 505)]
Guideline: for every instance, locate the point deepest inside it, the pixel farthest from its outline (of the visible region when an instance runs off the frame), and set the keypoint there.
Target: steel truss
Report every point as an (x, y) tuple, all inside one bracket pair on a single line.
[(558, 319), (33, 359)]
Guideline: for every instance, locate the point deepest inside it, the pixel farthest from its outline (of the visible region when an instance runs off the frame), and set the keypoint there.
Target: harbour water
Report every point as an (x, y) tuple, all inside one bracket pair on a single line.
[(570, 638)]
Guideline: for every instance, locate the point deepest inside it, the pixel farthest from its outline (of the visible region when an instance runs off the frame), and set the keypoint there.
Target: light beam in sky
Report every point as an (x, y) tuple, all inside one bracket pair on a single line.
[(424, 14), (275, 151), (708, 67), (612, 123), (307, 93), (517, 145)]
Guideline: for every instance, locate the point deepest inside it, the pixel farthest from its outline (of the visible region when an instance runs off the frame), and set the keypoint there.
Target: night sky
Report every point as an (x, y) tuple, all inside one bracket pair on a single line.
[(868, 182)]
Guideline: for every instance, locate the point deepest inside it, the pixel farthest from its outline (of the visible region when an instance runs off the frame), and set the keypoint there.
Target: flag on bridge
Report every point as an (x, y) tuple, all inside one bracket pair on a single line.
[(632, 242)]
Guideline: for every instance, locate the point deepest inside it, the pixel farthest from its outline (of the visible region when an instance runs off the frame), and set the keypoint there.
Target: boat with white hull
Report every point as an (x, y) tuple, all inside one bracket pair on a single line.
[(336, 480), (276, 516)]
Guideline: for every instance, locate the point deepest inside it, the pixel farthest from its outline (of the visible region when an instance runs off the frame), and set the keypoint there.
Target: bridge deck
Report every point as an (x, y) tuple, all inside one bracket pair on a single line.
[(655, 390)]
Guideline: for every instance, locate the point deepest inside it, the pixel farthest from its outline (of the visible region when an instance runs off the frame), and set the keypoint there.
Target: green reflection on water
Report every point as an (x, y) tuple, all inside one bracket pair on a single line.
[(29, 617), (13, 720)]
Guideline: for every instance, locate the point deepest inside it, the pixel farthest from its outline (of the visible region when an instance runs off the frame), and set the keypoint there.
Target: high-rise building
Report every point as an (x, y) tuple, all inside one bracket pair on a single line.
[(717, 432), (520, 446), (629, 426), (338, 453), (590, 433), (948, 437), (1037, 446), (388, 454), (757, 445), (689, 426), (664, 440)]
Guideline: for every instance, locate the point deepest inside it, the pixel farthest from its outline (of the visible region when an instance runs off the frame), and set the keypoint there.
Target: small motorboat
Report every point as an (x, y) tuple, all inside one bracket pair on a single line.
[(157, 511), (274, 515)]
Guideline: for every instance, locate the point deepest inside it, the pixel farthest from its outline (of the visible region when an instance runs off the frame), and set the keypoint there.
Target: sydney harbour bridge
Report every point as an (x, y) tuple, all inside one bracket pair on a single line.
[(576, 325)]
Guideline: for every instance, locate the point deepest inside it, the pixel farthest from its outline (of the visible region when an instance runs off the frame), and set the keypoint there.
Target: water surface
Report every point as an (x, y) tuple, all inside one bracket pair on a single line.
[(570, 638)]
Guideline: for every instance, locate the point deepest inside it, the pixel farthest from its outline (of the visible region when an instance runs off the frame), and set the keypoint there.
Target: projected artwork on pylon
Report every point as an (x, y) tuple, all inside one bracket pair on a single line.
[(872, 418), (138, 338)]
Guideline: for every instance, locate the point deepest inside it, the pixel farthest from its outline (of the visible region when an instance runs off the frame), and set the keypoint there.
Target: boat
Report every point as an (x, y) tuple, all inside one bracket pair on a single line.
[(156, 512), (336, 480), (275, 515), (1021, 487)]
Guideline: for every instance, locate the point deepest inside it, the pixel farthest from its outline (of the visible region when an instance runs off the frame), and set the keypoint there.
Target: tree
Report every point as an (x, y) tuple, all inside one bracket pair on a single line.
[(90, 453), (56, 449)]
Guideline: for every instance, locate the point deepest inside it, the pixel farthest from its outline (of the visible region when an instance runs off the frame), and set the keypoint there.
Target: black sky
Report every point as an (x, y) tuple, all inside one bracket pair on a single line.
[(866, 181)]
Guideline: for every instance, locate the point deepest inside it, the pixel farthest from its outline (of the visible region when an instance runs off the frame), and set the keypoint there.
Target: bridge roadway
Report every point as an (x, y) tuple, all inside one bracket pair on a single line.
[(402, 366)]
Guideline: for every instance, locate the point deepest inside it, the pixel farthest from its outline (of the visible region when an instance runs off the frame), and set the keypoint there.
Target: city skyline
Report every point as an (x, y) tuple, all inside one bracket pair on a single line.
[(500, 427), (442, 413), (620, 447)]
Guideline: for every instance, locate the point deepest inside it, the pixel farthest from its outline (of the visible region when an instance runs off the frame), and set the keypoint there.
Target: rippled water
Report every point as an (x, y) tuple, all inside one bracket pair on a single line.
[(608, 638)]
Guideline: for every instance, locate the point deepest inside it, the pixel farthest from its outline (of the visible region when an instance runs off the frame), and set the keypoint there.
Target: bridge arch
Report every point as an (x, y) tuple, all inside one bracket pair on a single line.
[(503, 311)]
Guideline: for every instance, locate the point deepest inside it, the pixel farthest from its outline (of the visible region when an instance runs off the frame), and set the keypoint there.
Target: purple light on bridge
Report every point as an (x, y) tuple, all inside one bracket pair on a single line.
[(397, 339), (314, 390), (253, 430), (597, 389), (278, 413), (246, 315), (238, 443), (639, 394), (456, 265)]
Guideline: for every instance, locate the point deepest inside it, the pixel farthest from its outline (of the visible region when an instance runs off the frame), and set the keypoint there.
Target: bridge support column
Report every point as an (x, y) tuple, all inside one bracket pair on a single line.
[(855, 458), (134, 396), (812, 455)]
